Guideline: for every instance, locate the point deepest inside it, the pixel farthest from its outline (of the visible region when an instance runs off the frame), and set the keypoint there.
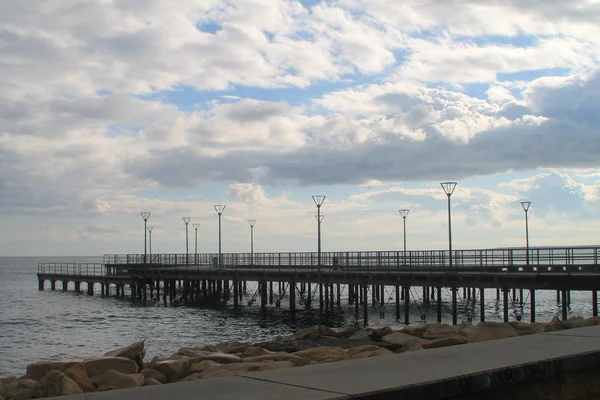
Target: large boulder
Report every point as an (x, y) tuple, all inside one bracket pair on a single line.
[(361, 349), (253, 351), (199, 355), (555, 325), (313, 333), (233, 347), (372, 353), (296, 360), (323, 354), (202, 366), (98, 366), (414, 330), (233, 369), (133, 352), (377, 333), (39, 369), (402, 339), (112, 379), (151, 382), (491, 331), (154, 374), (49, 385), (444, 342), (523, 328), (577, 322), (174, 370), (21, 389), (346, 332), (68, 386), (436, 331), (78, 374)]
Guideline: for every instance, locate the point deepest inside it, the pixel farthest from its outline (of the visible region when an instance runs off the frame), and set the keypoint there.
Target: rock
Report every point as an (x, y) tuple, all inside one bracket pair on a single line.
[(360, 334), (360, 349), (191, 377), (233, 347), (69, 386), (39, 369), (112, 379), (323, 354), (254, 351), (296, 361), (271, 365), (346, 332), (491, 331), (523, 328), (174, 370), (414, 330), (444, 342), (155, 360), (577, 322), (289, 346), (199, 355), (230, 369), (554, 325), (436, 330), (313, 333), (594, 321), (49, 385), (21, 389), (154, 374), (79, 376), (372, 353), (151, 382), (99, 365), (133, 352), (378, 333), (203, 366), (402, 339)]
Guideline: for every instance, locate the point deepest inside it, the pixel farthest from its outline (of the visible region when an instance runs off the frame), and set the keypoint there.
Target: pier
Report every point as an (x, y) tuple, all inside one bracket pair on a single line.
[(312, 279)]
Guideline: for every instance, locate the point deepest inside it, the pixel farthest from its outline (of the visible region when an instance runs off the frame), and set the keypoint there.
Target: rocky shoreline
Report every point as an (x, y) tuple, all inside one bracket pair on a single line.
[(127, 367)]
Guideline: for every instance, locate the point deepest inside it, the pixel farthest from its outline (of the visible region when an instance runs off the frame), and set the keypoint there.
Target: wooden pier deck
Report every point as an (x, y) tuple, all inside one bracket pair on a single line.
[(195, 276)]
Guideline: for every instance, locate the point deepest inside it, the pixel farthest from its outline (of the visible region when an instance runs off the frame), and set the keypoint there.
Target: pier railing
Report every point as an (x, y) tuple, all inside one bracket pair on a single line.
[(479, 258), (72, 269)]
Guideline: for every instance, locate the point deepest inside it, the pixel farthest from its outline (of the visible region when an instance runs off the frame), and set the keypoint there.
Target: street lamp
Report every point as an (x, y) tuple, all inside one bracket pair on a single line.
[(251, 222), (145, 215), (319, 199), (525, 205), (150, 228), (449, 189), (404, 213), (219, 209), (196, 226), (186, 220)]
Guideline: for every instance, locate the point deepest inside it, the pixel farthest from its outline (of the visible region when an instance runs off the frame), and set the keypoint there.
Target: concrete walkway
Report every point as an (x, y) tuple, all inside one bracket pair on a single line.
[(425, 374)]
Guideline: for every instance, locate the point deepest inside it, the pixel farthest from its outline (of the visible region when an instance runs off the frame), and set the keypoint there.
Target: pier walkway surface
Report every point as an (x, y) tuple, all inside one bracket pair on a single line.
[(443, 373)]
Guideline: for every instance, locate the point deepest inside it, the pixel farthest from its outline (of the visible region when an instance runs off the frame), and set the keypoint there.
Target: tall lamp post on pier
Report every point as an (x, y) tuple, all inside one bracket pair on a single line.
[(525, 205), (196, 226), (145, 215), (449, 189), (251, 222), (319, 199), (150, 228), (186, 220), (404, 214), (219, 209)]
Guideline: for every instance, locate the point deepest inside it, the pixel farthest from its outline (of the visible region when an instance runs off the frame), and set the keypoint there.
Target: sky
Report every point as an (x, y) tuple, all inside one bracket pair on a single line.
[(113, 107)]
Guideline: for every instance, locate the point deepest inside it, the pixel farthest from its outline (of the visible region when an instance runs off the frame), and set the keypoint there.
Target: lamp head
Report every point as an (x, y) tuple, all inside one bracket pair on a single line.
[(196, 226), (251, 222), (219, 208), (186, 219), (448, 187), (525, 205), (318, 199), (404, 213), (145, 215)]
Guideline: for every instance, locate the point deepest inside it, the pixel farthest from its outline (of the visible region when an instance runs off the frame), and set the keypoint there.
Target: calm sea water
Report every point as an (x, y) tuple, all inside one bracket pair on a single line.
[(51, 324)]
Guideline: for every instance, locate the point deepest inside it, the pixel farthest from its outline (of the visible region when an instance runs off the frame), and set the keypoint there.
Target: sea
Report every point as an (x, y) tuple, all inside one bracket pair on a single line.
[(47, 324)]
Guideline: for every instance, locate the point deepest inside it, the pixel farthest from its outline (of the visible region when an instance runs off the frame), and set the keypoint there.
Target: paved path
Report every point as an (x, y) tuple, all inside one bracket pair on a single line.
[(424, 374)]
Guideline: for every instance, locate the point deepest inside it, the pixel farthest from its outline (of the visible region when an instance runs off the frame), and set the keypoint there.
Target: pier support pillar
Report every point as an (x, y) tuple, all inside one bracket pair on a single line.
[(40, 284), (439, 304), (326, 298), (481, 304), (271, 300), (320, 297), (594, 303), (293, 296), (77, 286), (454, 310), (90, 288), (263, 295), (365, 305), (564, 306), (65, 285), (133, 292), (339, 295), (397, 303), (308, 296), (406, 305), (532, 308), (53, 285), (505, 303), (236, 287)]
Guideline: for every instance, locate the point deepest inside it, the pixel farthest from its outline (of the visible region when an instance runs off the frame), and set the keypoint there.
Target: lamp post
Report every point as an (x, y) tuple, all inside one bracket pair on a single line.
[(150, 228), (251, 222), (196, 226), (219, 209), (319, 199), (525, 205), (449, 189), (404, 214), (145, 215), (186, 220)]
